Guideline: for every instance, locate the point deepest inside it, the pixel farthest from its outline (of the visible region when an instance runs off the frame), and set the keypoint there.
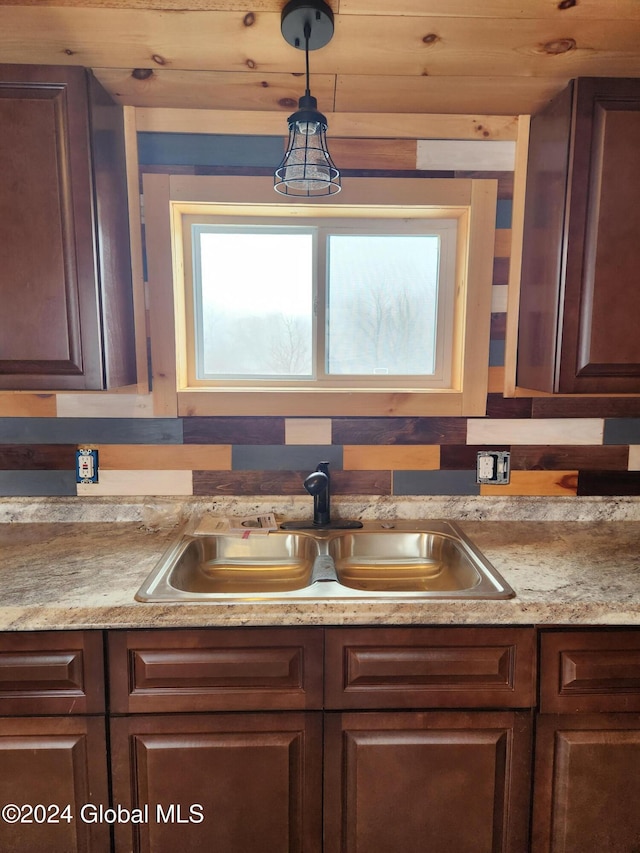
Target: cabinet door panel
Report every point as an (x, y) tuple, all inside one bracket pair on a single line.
[(429, 667), (53, 672), (427, 783), (54, 761), (590, 671), (602, 302), (65, 288), (587, 784), (256, 777), (216, 669)]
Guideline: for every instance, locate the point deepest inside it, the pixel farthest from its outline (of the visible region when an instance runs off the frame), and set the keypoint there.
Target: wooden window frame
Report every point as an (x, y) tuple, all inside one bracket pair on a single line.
[(471, 201)]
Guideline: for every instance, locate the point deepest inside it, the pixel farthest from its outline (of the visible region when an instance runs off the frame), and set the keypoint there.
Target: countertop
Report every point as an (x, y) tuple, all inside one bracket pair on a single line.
[(84, 574)]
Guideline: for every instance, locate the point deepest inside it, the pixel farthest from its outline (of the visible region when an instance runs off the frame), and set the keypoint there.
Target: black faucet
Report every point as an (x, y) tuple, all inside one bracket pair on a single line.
[(318, 484)]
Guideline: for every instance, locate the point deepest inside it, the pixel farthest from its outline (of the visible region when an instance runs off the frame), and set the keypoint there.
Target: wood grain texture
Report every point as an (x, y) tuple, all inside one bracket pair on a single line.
[(229, 430), (382, 431), (507, 407), (25, 405), (212, 457), (373, 457), (46, 457), (581, 407), (536, 483), (551, 431), (376, 125), (288, 483), (541, 458), (104, 406), (135, 482), (307, 431)]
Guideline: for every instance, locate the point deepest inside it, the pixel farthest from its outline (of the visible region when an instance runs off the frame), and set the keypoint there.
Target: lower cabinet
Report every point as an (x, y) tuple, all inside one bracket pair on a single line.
[(53, 747), (223, 782), (587, 757), (314, 740), (53, 783), (287, 741), (438, 782), (587, 784)]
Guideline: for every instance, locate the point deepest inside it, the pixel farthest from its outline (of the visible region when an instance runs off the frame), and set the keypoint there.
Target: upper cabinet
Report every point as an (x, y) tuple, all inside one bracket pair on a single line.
[(65, 269), (580, 287)]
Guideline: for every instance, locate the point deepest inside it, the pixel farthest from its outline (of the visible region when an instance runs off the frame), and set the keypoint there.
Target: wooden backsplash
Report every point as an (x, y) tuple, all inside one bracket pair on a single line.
[(558, 445)]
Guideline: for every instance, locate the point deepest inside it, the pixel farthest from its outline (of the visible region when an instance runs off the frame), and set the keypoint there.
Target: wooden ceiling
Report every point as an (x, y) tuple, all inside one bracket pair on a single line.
[(491, 57)]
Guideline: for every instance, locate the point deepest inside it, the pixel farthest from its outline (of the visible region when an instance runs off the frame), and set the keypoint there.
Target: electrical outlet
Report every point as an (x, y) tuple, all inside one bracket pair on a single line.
[(86, 465), (493, 466)]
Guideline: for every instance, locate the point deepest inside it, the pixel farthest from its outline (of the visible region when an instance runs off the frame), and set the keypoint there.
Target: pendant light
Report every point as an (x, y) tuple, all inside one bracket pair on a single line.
[(307, 168)]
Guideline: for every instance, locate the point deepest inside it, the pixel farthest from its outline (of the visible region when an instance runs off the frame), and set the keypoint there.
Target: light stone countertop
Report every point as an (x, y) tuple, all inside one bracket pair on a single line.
[(83, 573)]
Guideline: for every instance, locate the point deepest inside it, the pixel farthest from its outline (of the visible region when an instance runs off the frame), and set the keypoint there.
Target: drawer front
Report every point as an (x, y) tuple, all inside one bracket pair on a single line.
[(430, 668), (51, 673), (218, 669), (596, 670)]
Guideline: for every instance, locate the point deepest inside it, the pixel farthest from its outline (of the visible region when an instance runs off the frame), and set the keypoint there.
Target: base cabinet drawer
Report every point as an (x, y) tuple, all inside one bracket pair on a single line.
[(53, 672), (585, 671), (430, 668), (217, 669)]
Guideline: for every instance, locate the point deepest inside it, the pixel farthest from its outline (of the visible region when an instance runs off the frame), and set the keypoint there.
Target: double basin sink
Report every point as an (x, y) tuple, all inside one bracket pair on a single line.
[(399, 560)]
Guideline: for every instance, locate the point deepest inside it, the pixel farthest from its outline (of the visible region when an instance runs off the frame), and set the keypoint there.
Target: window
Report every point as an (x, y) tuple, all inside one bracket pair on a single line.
[(349, 301), (377, 305)]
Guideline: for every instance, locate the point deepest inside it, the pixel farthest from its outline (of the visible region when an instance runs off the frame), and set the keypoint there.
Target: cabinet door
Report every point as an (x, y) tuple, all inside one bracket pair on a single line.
[(65, 288), (230, 783), (46, 765), (434, 782), (580, 299), (587, 784)]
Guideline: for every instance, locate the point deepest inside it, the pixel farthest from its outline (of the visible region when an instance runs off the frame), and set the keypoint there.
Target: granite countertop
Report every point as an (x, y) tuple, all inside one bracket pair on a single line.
[(85, 573)]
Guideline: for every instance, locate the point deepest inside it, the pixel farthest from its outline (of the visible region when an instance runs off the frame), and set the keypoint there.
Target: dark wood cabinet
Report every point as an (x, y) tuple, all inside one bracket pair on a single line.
[(53, 754), (587, 757), (436, 781), (580, 293), (428, 780), (65, 269), (254, 778), (54, 770), (225, 782)]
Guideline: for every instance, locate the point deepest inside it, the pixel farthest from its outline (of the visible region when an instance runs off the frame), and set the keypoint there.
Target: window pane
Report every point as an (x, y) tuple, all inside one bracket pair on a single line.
[(382, 304), (253, 302)]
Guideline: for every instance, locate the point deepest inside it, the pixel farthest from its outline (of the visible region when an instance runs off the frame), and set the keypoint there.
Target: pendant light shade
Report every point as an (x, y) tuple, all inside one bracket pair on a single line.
[(307, 168)]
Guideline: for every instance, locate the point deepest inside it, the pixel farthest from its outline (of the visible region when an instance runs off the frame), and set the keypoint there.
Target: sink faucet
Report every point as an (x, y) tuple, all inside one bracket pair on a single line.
[(317, 484)]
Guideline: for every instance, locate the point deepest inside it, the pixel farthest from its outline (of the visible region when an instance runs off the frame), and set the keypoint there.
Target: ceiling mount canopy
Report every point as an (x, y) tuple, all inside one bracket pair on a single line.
[(306, 168)]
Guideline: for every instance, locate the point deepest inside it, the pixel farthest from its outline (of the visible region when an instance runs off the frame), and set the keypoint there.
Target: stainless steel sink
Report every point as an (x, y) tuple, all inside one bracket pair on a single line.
[(411, 561), (402, 560)]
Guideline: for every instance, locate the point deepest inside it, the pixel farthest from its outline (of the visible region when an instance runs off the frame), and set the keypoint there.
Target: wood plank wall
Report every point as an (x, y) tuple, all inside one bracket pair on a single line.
[(559, 445)]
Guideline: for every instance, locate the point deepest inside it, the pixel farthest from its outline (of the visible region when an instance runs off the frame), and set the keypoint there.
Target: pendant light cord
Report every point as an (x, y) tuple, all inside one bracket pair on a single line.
[(307, 36)]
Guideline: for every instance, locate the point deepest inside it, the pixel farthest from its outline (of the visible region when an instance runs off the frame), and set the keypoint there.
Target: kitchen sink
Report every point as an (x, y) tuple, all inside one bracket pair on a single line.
[(398, 560), (412, 561)]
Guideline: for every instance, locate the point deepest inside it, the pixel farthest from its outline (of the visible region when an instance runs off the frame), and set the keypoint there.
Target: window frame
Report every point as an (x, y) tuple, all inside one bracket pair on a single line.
[(471, 201), (321, 230)]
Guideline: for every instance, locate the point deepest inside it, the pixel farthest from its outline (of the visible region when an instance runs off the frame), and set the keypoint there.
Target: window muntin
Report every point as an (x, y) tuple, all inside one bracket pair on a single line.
[(332, 303)]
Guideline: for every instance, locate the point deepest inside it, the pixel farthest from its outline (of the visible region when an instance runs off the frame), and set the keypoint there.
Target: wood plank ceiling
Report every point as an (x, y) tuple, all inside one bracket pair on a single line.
[(491, 57)]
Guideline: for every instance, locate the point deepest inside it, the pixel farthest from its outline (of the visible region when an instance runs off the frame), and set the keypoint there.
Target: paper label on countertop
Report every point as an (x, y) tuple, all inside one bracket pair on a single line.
[(243, 526)]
